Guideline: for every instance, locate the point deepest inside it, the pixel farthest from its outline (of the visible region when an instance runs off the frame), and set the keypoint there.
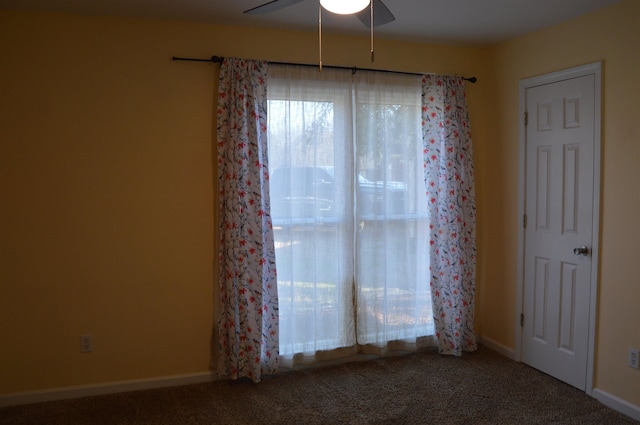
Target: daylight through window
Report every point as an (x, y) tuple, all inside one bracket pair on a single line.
[(349, 209)]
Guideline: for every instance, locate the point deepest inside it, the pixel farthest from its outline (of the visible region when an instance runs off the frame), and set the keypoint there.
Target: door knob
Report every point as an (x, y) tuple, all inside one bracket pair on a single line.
[(581, 250)]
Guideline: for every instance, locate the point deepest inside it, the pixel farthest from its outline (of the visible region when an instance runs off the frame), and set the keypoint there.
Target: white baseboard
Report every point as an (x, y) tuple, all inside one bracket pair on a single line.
[(617, 404), (62, 393), (496, 346)]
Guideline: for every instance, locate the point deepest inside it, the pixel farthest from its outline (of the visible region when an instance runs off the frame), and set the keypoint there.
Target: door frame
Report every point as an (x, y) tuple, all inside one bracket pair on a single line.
[(595, 69)]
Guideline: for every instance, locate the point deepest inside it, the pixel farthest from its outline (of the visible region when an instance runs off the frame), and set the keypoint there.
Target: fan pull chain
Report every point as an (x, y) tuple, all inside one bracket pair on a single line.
[(372, 57), (320, 35)]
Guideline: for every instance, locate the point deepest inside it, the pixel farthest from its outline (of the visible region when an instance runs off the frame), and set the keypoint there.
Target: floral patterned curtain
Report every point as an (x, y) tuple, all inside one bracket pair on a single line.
[(248, 309), (448, 170)]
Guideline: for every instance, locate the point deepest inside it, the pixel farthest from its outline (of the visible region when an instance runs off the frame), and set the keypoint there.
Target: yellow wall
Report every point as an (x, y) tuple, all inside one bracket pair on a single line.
[(107, 186), (106, 217), (611, 35)]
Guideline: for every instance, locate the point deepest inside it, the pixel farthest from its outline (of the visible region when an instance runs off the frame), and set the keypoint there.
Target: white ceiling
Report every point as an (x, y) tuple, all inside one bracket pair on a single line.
[(469, 22)]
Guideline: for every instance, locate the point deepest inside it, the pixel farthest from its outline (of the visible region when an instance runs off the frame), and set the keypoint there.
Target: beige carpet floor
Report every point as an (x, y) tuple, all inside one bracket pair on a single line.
[(420, 388)]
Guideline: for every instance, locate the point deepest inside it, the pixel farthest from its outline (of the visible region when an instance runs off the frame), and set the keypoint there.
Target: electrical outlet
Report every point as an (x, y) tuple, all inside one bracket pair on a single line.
[(86, 343), (633, 358)]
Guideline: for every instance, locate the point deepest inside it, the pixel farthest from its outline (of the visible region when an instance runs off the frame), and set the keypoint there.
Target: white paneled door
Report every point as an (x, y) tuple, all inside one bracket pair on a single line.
[(560, 141)]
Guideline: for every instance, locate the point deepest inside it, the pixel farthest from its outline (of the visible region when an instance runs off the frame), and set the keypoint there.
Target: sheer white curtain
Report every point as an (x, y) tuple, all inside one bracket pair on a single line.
[(349, 212), (392, 241), (311, 165)]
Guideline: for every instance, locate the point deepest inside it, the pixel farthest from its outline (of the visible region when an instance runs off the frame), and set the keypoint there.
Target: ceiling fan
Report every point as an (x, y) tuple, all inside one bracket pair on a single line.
[(382, 15)]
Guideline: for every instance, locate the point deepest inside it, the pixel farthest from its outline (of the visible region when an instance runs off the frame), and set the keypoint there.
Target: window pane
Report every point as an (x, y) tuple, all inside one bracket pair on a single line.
[(311, 202), (349, 213), (394, 298)]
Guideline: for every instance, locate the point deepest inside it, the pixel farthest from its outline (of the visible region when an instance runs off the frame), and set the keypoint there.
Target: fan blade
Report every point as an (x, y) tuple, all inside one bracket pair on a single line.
[(381, 14), (271, 6)]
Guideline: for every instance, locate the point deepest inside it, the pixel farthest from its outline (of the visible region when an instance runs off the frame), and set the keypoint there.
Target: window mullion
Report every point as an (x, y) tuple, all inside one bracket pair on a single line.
[(354, 201)]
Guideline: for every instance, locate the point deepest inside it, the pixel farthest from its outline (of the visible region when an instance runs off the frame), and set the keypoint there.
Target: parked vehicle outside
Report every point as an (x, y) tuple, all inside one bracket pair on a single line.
[(310, 195)]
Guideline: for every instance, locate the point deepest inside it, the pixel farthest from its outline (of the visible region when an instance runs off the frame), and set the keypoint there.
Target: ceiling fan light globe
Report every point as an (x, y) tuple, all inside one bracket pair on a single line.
[(344, 7)]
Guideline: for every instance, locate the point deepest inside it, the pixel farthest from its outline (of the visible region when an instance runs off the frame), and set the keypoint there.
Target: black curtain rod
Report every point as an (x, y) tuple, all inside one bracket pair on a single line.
[(219, 59)]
